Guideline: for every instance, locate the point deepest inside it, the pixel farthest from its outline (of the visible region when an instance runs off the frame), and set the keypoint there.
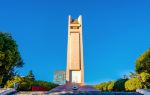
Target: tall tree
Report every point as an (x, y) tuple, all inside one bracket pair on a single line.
[(9, 57), (31, 75), (143, 62)]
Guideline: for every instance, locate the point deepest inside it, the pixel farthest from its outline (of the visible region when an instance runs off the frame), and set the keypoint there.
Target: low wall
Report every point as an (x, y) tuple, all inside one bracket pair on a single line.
[(39, 88)]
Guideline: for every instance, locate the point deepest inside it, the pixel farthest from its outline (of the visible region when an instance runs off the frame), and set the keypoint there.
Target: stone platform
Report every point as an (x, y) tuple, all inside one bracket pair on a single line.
[(77, 93), (82, 90), (68, 87), (67, 90)]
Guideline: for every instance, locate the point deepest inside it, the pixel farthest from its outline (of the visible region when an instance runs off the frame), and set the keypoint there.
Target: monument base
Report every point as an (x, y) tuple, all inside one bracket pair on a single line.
[(68, 87)]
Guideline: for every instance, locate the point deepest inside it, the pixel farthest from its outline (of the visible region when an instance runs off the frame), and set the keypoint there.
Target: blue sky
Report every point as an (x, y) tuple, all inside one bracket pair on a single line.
[(115, 33)]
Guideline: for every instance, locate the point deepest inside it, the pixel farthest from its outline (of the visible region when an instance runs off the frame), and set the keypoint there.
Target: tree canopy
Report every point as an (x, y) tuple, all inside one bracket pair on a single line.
[(30, 75), (143, 63), (9, 57), (133, 84)]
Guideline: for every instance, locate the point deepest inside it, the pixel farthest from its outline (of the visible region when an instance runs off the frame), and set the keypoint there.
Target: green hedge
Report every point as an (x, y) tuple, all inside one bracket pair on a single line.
[(105, 86), (25, 84), (112, 85)]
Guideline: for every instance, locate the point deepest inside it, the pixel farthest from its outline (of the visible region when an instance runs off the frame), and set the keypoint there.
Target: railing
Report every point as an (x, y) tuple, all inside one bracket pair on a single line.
[(5, 91), (143, 91)]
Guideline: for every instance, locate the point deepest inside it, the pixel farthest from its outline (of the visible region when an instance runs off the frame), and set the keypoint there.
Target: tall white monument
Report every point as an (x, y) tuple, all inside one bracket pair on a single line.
[(75, 67)]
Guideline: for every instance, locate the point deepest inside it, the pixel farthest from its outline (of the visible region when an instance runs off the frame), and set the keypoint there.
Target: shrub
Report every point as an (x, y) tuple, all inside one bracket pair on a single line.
[(105, 87), (133, 84), (111, 86), (25, 86), (119, 85), (145, 78), (24, 83), (47, 85), (15, 79), (102, 86)]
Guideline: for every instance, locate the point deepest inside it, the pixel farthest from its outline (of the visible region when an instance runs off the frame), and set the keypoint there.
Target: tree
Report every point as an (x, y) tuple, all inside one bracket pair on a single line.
[(143, 63), (111, 86), (9, 57), (145, 78), (31, 75), (101, 86), (119, 85), (133, 84), (105, 86)]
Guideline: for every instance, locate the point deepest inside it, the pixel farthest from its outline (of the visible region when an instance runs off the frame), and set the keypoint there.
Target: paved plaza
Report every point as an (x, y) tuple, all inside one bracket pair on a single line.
[(78, 93), (82, 90)]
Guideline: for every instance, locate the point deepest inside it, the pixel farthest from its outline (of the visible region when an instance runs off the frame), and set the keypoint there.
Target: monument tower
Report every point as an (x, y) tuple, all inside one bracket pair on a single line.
[(75, 68)]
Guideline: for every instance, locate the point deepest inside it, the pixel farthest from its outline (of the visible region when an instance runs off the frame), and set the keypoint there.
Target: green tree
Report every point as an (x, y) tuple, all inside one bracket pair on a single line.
[(9, 57), (133, 84), (145, 78), (119, 85), (111, 86), (143, 63), (30, 75), (103, 86)]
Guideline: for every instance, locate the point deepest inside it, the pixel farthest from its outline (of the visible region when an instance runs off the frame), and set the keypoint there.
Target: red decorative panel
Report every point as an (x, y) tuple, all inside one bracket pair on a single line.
[(39, 88)]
